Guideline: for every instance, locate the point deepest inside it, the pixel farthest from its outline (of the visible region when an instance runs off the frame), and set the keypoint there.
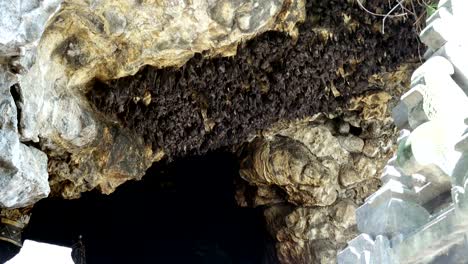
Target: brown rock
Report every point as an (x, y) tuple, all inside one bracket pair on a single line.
[(89, 40)]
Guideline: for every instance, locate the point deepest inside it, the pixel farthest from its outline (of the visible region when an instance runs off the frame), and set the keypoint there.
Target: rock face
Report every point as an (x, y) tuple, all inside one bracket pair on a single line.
[(23, 169), (311, 235), (309, 171), (111, 39), (311, 175), (305, 163), (21, 26), (96, 137), (211, 103)]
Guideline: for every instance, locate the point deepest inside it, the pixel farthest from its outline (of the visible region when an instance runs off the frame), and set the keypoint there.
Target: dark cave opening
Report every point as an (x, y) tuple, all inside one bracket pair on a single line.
[(181, 212)]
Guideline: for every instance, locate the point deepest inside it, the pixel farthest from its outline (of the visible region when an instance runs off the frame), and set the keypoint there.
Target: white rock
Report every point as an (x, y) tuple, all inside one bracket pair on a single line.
[(22, 23), (23, 169)]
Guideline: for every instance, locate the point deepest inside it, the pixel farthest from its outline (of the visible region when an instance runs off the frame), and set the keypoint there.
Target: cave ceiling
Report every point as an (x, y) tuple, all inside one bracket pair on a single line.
[(113, 86)]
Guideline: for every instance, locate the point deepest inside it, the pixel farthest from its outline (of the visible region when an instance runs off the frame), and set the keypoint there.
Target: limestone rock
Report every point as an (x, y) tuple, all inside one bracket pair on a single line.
[(313, 235), (290, 165), (358, 141), (351, 143), (22, 22), (23, 169), (311, 162), (322, 181), (21, 26), (87, 40)]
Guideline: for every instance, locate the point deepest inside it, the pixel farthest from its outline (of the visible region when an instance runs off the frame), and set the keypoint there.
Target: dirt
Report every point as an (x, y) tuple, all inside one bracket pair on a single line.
[(211, 103)]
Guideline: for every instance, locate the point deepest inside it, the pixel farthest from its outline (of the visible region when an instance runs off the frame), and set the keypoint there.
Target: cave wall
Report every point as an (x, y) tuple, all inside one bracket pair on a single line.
[(211, 103), (310, 100), (56, 49), (309, 176), (99, 136)]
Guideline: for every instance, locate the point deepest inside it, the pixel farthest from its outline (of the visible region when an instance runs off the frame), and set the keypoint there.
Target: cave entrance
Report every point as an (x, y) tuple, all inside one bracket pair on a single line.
[(181, 212)]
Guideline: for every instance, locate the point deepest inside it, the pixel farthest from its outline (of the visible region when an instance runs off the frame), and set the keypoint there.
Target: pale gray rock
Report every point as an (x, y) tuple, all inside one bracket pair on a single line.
[(22, 23), (344, 127), (351, 143), (23, 169)]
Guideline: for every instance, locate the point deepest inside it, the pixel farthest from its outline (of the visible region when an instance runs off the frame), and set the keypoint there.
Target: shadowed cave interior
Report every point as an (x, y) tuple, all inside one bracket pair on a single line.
[(181, 212)]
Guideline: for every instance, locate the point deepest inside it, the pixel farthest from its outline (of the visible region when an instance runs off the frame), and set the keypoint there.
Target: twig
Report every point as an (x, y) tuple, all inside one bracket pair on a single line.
[(375, 14), (388, 14), (385, 16)]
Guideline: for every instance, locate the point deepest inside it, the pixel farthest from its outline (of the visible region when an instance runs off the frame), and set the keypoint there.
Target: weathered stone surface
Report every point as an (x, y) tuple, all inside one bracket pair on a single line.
[(22, 22), (372, 106), (303, 163), (313, 235), (352, 143), (309, 163), (18, 215), (111, 39), (21, 26), (294, 219), (320, 177), (23, 169), (106, 40), (293, 166)]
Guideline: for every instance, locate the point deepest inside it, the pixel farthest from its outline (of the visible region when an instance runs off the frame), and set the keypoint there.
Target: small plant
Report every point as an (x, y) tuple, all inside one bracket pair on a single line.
[(431, 8)]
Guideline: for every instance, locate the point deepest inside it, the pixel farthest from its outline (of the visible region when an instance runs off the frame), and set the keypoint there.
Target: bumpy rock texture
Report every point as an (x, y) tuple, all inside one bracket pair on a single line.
[(119, 128), (309, 171), (212, 103), (311, 175), (23, 169), (21, 26), (87, 40)]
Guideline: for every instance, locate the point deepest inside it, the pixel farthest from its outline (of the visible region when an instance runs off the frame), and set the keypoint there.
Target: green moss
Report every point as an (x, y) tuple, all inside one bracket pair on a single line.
[(431, 8)]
